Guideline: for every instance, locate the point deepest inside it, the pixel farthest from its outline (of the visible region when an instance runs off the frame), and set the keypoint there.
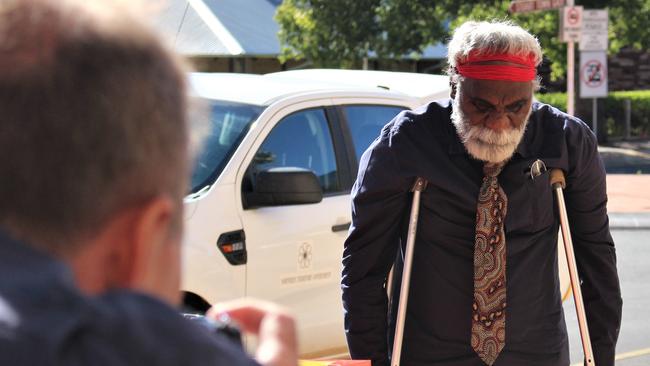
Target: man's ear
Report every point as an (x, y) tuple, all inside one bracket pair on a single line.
[(122, 254), (453, 85), (151, 231)]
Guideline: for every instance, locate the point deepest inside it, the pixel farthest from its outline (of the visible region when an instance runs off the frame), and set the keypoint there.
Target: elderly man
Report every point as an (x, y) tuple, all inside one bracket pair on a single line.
[(484, 287), (94, 146)]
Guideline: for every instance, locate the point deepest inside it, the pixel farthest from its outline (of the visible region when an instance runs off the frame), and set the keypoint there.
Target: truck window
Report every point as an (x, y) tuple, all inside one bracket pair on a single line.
[(228, 123), (301, 140), (365, 123)]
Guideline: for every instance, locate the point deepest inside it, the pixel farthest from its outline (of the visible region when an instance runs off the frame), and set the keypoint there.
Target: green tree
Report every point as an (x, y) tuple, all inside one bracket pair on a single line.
[(408, 26), (340, 33), (330, 33)]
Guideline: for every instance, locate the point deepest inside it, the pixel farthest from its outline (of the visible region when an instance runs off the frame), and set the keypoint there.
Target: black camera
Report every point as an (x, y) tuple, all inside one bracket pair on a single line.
[(224, 326)]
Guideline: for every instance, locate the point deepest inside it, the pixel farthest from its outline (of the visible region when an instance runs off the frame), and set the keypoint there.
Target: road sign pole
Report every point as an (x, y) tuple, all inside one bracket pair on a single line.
[(595, 117), (571, 56), (570, 86), (628, 118)]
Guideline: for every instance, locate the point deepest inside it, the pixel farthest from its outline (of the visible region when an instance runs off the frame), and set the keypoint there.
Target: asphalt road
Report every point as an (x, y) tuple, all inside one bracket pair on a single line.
[(625, 161), (633, 255)]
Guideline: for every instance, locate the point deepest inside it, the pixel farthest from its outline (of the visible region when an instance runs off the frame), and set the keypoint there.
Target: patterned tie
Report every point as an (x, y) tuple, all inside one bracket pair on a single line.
[(489, 307)]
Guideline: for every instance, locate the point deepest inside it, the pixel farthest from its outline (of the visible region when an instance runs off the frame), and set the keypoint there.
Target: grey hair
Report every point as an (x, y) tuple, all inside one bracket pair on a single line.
[(490, 37), (93, 121)]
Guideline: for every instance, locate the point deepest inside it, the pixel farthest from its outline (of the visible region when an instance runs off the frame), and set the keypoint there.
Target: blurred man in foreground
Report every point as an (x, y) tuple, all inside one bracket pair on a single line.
[(94, 142), (484, 286)]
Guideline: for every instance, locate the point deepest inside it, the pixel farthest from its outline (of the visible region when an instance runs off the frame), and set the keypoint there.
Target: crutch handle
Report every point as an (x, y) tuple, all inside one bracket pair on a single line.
[(419, 185), (557, 177)]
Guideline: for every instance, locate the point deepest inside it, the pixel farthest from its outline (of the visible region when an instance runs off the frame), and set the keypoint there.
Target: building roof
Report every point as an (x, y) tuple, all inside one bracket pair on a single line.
[(251, 23), (230, 28), (220, 27)]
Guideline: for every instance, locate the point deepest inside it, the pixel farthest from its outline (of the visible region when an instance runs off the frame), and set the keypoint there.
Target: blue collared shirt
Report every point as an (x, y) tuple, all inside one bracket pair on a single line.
[(45, 320), (424, 143)]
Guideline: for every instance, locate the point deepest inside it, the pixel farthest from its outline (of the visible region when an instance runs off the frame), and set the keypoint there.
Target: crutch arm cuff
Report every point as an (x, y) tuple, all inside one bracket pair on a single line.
[(557, 177)]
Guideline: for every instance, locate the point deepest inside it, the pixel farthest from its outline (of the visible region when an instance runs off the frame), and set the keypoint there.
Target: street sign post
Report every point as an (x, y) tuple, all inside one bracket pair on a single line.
[(593, 79), (570, 26), (593, 58), (594, 30), (571, 19), (593, 74)]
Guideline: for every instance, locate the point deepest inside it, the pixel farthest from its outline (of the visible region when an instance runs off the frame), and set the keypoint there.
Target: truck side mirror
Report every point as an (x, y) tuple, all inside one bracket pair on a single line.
[(283, 186)]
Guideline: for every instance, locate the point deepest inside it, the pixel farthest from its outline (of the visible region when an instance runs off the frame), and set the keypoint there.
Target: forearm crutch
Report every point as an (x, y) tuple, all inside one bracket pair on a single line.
[(419, 186), (558, 183)]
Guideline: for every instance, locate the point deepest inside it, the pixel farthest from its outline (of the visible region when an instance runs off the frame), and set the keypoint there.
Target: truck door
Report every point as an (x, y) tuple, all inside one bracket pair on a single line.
[(294, 251)]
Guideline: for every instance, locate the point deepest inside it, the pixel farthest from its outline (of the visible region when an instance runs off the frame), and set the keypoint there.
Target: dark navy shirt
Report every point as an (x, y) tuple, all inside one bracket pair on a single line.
[(45, 320), (438, 322)]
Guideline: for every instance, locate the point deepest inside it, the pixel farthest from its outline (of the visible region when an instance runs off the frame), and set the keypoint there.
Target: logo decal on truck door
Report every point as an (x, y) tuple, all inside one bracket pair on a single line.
[(304, 256)]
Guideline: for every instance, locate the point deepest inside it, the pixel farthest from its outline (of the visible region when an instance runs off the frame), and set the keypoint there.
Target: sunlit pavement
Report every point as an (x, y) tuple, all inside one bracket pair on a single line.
[(633, 256), (628, 193), (628, 176), (634, 360)]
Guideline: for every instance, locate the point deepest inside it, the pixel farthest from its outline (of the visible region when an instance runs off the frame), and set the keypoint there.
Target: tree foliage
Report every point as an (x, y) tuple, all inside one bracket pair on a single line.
[(340, 33), (327, 32)]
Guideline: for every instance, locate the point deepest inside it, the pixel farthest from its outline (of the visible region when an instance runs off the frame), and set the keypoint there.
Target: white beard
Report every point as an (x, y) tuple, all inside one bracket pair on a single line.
[(484, 144)]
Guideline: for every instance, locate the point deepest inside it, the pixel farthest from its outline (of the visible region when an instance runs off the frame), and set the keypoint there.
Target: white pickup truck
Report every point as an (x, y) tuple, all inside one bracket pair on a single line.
[(269, 206)]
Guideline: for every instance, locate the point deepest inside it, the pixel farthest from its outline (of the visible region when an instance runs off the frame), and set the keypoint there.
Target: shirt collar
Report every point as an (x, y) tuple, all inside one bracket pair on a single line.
[(18, 257)]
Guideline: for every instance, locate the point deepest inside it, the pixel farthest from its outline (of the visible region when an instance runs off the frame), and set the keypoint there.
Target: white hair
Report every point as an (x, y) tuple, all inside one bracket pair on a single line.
[(482, 142), (491, 37)]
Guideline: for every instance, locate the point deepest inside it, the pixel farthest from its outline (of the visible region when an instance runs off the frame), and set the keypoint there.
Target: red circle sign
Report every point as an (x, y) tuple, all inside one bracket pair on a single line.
[(593, 73), (574, 16)]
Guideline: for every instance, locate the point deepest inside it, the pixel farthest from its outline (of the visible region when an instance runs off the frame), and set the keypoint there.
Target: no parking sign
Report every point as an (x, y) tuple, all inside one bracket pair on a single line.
[(593, 74)]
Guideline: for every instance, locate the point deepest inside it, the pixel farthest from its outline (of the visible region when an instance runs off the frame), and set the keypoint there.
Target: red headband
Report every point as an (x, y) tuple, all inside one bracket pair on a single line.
[(523, 71)]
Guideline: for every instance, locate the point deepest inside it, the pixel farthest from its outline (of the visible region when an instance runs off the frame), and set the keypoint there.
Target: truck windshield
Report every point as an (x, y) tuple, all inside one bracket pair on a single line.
[(229, 123)]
